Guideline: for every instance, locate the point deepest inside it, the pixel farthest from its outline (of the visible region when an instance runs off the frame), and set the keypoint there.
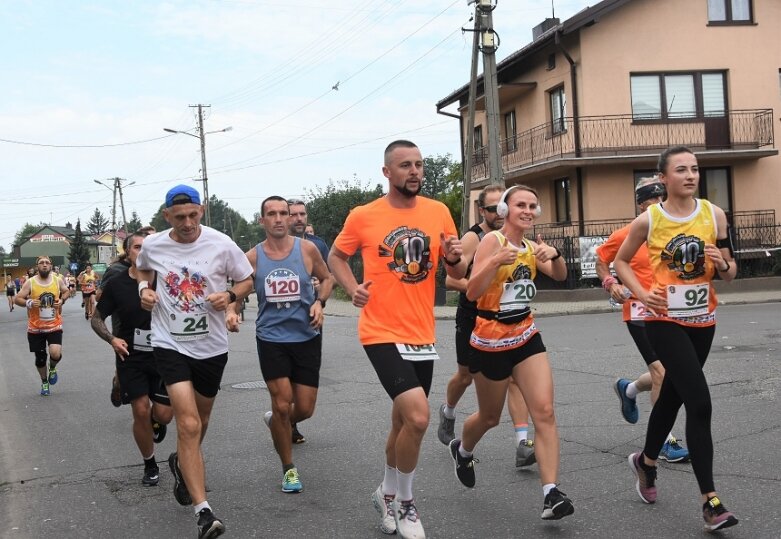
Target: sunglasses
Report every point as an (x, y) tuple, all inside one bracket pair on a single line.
[(490, 209)]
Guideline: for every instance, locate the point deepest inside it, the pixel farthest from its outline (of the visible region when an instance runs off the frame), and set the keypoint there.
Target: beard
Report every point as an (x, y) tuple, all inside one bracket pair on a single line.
[(407, 192), (496, 223), (44, 273)]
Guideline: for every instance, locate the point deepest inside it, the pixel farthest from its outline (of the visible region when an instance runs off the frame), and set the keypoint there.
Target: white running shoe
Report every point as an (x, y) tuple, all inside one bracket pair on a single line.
[(382, 504), (408, 525)]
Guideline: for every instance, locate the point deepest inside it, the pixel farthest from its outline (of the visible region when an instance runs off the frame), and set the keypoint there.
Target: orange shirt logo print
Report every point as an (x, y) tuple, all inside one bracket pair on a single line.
[(686, 256), (411, 252)]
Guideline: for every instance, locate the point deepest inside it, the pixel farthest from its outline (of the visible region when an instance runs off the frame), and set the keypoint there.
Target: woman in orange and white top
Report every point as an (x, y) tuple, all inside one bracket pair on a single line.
[(688, 243), (508, 343)]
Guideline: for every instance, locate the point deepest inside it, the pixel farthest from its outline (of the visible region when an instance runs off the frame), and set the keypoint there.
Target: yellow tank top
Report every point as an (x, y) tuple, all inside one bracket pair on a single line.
[(676, 251), (47, 317), (511, 290), (88, 282)]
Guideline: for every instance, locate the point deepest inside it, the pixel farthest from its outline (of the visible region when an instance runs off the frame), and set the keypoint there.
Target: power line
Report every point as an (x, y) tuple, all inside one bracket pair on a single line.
[(24, 143)]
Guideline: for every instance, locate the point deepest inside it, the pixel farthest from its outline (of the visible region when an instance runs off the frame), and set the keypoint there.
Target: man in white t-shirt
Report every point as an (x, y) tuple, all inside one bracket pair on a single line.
[(182, 279)]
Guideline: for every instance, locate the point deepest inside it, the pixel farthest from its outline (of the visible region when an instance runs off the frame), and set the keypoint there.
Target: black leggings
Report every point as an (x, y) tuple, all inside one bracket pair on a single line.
[(683, 351)]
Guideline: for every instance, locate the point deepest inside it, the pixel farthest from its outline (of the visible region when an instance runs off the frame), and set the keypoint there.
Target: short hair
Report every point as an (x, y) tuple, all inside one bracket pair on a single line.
[(401, 143), (43, 257), (488, 189), (661, 165), (296, 202), (148, 229), (129, 238), (269, 199)]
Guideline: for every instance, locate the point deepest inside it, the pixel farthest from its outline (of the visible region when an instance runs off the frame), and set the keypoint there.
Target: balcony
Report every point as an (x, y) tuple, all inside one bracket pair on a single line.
[(739, 133)]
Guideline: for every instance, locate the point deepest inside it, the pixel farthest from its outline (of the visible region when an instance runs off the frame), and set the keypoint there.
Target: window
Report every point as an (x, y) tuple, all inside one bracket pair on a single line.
[(551, 61), (511, 143), (730, 12), (557, 110), (715, 186), (678, 96), (480, 153), (563, 211)]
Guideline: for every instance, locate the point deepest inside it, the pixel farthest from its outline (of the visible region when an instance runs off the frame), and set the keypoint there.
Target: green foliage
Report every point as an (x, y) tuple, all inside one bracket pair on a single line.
[(79, 252), (135, 223), (98, 223), (26, 231)]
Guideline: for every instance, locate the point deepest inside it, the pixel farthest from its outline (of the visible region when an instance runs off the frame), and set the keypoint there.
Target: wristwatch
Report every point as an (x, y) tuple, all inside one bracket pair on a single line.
[(231, 296), (322, 302)]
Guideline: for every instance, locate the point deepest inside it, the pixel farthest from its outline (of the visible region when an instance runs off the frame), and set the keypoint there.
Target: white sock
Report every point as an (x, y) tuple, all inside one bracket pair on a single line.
[(669, 436), (449, 411), (463, 452), (201, 506), (390, 482), (521, 433), (547, 488), (405, 485), (631, 390)]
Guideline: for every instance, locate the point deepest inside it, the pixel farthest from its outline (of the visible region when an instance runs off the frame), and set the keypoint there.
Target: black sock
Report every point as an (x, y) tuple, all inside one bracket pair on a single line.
[(150, 463), (643, 465), (286, 467)]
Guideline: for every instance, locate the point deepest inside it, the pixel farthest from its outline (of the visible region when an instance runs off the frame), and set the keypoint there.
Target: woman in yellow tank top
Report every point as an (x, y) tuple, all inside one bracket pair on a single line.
[(508, 343), (688, 243)]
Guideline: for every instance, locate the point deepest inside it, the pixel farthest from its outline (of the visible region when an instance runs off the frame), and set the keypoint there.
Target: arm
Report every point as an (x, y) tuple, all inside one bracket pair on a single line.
[(545, 255), (359, 293), (98, 323), (655, 299), (147, 295), (722, 256), (455, 264), (236, 306), (20, 299), (490, 255), (320, 271), (469, 243), (606, 255)]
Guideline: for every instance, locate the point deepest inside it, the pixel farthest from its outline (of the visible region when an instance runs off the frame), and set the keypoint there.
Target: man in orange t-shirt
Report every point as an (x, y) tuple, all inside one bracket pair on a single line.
[(648, 191), (401, 237)]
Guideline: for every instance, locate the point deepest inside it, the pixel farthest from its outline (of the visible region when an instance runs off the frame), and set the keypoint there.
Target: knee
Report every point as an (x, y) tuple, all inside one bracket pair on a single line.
[(163, 414), (281, 407), (416, 421), (189, 426), (700, 411), (141, 409), (544, 416), (40, 359), (491, 419), (305, 411), (462, 378)]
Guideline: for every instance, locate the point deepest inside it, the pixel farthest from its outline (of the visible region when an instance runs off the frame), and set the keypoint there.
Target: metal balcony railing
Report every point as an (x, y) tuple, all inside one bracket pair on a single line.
[(602, 136)]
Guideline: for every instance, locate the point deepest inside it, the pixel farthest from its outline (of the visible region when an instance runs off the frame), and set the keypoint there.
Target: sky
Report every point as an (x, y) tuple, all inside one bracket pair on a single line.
[(313, 91)]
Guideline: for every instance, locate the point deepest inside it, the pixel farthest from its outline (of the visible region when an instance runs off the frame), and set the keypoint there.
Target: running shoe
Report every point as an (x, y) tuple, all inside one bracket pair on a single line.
[(628, 406), (267, 418), (446, 431), (53, 376), (116, 396), (151, 476), (524, 454), (645, 480), (556, 505), (298, 438), (716, 515), (45, 389), (672, 451), (465, 466), (208, 525), (291, 483), (159, 430), (408, 524), (181, 493), (382, 503)]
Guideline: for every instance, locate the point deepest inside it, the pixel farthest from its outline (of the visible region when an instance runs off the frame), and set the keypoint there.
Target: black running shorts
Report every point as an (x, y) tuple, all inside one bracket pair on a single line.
[(38, 341), (398, 375), (499, 365), (299, 361), (138, 377), (205, 374), (465, 323), (637, 331)]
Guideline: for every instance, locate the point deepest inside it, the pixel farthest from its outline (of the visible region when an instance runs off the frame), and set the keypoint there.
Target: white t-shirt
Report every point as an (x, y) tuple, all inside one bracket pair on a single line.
[(182, 319)]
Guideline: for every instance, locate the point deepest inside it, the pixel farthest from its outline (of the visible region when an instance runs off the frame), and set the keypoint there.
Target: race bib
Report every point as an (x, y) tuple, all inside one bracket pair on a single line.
[(46, 313), (517, 295), (142, 340), (686, 300), (637, 310), (282, 286), (189, 326), (417, 352)]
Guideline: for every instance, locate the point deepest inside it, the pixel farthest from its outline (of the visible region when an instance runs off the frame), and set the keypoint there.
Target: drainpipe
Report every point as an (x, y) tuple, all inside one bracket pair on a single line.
[(466, 161), (575, 127)]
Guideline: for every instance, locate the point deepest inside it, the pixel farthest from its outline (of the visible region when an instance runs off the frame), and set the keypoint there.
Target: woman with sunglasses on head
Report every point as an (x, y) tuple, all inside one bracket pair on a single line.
[(508, 342), (688, 243)]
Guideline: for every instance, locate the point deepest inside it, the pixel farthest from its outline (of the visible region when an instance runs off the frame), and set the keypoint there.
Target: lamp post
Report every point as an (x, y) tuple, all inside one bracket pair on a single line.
[(202, 137), (116, 188)]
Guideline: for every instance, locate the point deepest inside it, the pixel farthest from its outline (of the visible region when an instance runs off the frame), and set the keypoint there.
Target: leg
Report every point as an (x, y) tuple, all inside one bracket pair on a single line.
[(281, 392), (457, 385), (516, 406), (656, 373), (304, 401), (142, 426), (490, 401), (410, 415)]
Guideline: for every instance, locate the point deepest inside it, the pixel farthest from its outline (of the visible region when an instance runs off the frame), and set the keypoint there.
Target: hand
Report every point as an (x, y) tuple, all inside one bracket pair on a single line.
[(361, 294), (505, 255), (655, 301), (452, 247), (617, 293), (714, 253), (219, 300), (544, 252), (120, 347), (316, 315), (232, 321), (148, 299)]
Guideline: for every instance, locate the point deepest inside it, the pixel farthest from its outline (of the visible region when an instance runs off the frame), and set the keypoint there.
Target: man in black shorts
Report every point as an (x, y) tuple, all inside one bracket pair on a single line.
[(135, 366), (189, 267)]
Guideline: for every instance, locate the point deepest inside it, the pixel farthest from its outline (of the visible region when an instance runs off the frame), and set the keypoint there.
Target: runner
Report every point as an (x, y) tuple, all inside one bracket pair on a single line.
[(509, 344), (88, 280), (401, 237), (466, 315), (688, 243), (290, 315), (648, 191), (134, 361), (44, 296), (189, 267), (10, 292)]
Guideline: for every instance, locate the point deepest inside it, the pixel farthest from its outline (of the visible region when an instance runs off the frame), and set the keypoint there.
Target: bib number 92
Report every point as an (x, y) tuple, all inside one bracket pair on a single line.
[(688, 300)]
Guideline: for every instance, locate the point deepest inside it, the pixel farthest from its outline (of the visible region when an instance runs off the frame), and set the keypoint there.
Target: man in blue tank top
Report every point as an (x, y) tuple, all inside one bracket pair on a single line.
[(290, 315)]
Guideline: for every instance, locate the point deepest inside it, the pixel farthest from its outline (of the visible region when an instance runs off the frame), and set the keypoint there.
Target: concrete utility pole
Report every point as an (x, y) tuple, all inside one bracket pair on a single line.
[(116, 189), (470, 129), (488, 45), (205, 179)]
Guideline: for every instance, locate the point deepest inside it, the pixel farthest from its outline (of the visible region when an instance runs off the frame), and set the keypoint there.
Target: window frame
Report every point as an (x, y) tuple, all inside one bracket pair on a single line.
[(566, 201), (703, 186), (560, 122), (728, 17), (699, 108), (511, 138)]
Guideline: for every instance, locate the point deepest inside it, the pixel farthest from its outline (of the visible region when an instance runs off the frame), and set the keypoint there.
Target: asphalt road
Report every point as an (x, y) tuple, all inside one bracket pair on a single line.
[(69, 467)]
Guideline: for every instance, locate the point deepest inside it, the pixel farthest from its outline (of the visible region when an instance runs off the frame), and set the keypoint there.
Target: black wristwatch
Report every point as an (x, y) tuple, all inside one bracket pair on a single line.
[(231, 296), (449, 263), (322, 302), (558, 255)]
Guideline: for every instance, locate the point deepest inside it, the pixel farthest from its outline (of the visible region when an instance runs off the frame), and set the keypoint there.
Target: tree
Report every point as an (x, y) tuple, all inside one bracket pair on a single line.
[(27, 231), (98, 224), (135, 223), (79, 252), (437, 170)]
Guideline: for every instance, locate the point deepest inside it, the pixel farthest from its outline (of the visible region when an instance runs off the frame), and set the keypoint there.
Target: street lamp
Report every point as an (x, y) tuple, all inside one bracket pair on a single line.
[(204, 179), (117, 187)]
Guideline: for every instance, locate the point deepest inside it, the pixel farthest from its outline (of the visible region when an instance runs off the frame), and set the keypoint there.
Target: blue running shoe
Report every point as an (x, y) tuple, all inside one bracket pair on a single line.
[(291, 483), (628, 406), (53, 376), (672, 451), (45, 389)]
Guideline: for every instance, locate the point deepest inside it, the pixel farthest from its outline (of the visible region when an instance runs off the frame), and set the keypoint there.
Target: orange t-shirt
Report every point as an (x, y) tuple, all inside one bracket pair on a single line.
[(400, 248), (639, 264)]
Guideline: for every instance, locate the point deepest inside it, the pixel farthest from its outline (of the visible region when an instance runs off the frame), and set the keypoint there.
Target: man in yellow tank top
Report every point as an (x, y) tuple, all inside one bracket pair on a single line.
[(44, 295)]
